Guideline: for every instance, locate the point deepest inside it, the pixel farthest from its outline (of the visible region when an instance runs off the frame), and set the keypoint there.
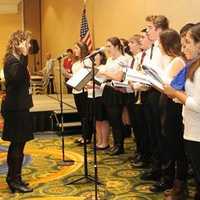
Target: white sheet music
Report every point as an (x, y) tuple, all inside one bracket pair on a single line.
[(77, 77), (155, 76), (147, 78), (135, 76), (156, 84), (81, 78)]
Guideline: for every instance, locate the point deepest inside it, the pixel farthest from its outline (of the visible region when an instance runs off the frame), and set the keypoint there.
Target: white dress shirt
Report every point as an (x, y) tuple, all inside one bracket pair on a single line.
[(158, 59), (114, 64)]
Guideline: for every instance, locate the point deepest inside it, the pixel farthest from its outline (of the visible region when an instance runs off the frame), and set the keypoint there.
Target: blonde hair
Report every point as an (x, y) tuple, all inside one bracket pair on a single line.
[(159, 21), (14, 40), (135, 38)]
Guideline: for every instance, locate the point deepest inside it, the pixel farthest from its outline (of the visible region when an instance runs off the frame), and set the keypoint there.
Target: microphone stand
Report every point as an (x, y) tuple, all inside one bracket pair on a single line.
[(64, 161), (94, 123)]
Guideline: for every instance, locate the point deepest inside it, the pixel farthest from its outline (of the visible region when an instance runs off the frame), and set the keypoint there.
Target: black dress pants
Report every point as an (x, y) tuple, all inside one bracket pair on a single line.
[(173, 153), (139, 124), (154, 127)]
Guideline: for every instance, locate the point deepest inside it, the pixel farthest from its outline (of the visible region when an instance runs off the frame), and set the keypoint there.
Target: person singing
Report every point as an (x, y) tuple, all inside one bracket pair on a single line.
[(80, 96), (112, 97), (15, 108)]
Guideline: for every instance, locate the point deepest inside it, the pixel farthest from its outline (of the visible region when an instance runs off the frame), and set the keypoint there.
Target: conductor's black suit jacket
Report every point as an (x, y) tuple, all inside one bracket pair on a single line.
[(17, 82)]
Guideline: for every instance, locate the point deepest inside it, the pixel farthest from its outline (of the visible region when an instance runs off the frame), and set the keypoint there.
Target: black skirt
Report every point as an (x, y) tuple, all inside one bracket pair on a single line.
[(100, 110), (81, 102), (129, 98), (17, 126), (112, 97)]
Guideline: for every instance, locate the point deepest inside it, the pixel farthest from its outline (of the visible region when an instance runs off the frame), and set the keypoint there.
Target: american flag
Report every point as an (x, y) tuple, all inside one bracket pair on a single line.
[(85, 35)]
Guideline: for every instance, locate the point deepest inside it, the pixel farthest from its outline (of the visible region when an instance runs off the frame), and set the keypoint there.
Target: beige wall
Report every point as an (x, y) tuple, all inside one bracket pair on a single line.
[(9, 23), (125, 17), (61, 19), (32, 22), (61, 27), (61, 24)]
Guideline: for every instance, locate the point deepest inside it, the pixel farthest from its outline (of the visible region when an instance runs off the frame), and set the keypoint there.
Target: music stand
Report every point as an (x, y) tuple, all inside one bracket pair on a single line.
[(85, 79)]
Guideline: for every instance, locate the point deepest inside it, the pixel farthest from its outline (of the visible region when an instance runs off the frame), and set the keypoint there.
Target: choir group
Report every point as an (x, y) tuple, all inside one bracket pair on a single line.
[(165, 123)]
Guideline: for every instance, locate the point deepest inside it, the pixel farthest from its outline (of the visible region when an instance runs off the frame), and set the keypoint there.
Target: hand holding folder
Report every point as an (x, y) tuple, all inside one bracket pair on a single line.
[(149, 77)]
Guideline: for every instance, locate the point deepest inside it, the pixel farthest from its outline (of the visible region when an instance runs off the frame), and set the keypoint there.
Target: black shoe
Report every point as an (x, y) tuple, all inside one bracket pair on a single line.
[(139, 161), (116, 151), (78, 141), (16, 186), (135, 157), (161, 186), (136, 154), (82, 142), (150, 176)]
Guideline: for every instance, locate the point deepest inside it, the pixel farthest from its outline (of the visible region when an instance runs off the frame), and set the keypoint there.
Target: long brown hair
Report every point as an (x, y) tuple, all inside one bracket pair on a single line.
[(115, 41), (171, 42), (83, 50), (195, 35), (15, 39)]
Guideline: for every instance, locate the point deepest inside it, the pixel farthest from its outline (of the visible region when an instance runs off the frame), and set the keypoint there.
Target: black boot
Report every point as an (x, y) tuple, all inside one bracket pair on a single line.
[(16, 186), (179, 191), (18, 170), (14, 170)]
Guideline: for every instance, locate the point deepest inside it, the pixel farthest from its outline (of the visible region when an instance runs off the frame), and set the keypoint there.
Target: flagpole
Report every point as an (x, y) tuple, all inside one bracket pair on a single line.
[(84, 4)]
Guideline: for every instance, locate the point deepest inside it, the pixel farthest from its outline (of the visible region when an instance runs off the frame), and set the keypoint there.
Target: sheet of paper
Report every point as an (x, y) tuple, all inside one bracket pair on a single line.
[(77, 77)]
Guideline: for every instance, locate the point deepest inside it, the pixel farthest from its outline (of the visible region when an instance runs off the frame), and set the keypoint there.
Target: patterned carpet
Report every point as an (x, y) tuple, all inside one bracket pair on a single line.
[(48, 178)]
